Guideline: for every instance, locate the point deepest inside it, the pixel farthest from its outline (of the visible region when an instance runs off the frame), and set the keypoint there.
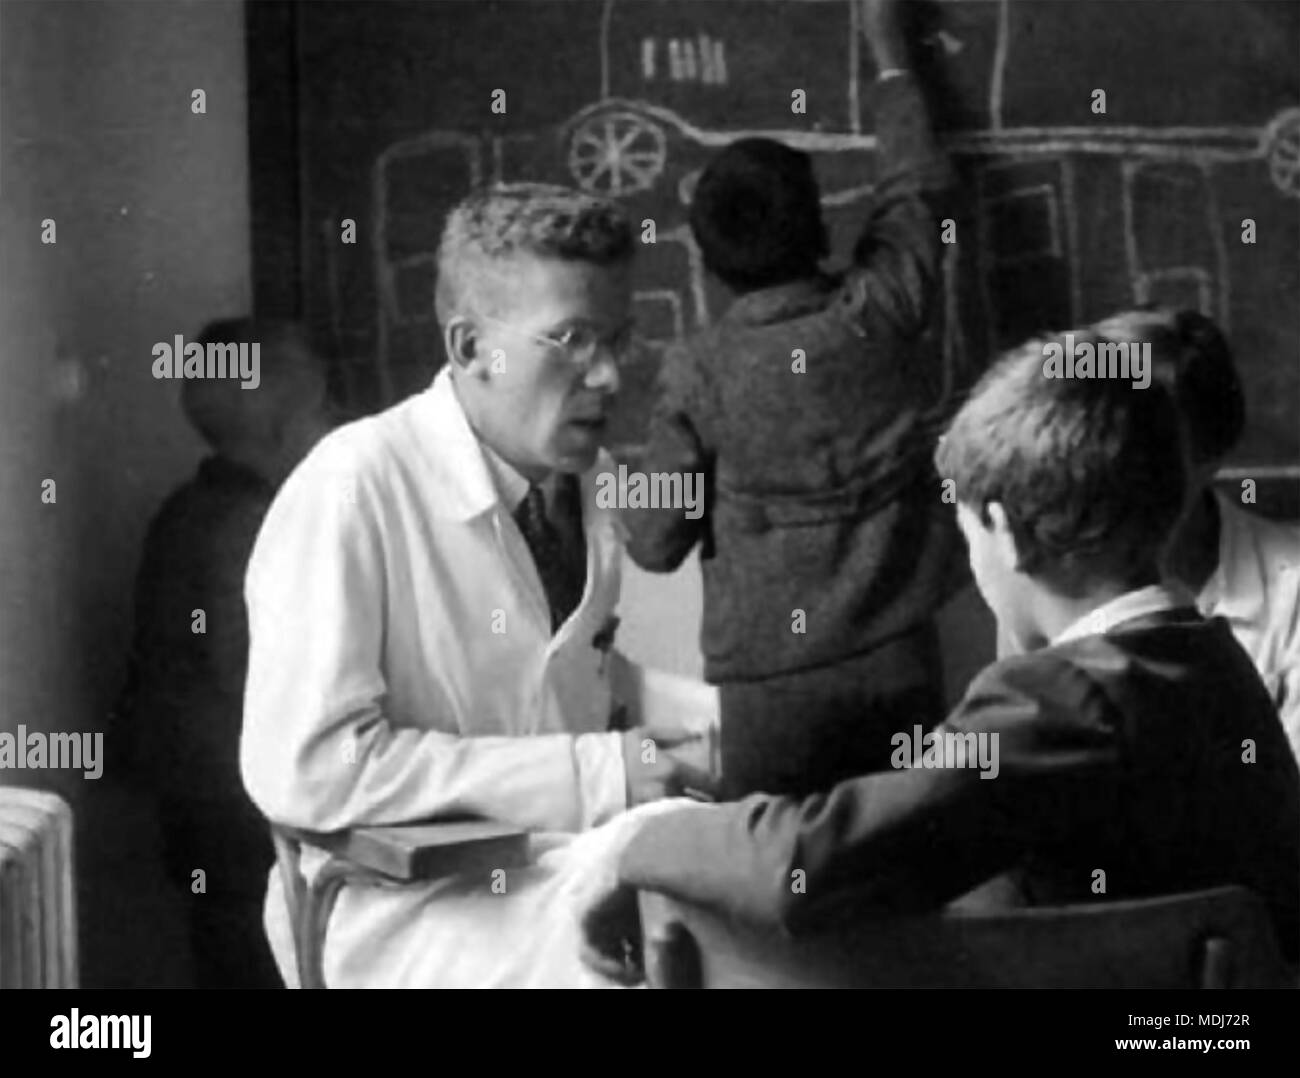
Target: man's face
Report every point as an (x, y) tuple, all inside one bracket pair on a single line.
[(536, 406)]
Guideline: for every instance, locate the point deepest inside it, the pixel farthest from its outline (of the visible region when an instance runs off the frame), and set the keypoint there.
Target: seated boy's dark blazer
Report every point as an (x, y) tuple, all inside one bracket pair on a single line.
[(1152, 753)]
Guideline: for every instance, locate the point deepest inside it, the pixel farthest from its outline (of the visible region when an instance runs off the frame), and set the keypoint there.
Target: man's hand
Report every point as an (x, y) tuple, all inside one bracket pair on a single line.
[(881, 24), (611, 936), (664, 762)]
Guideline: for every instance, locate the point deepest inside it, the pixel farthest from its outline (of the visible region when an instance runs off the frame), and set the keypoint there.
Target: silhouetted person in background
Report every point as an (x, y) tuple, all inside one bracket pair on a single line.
[(182, 707)]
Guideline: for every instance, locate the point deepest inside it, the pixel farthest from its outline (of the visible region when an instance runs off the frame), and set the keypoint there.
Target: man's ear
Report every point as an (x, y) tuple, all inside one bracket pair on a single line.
[(460, 338), (1004, 537)]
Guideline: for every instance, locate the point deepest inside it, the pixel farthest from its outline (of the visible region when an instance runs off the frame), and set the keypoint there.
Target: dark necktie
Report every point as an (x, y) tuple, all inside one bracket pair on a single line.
[(560, 555)]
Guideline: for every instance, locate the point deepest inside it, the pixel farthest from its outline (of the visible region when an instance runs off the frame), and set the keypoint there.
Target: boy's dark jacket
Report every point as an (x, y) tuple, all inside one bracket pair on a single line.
[(1129, 752), (819, 490)]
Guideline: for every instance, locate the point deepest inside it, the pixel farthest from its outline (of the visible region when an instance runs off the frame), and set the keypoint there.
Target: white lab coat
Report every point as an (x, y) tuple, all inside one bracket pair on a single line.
[(1256, 587), (402, 667)]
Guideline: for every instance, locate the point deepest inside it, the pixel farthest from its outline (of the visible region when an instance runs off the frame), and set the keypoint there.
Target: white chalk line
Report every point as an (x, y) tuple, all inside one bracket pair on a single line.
[(1240, 143), (657, 295), (1215, 224), (1069, 196), (605, 14), (1042, 190), (855, 62), (1262, 471), (999, 68)]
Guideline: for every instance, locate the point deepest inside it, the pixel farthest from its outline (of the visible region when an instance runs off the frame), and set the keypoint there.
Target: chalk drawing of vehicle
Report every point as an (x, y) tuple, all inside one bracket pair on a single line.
[(1027, 196)]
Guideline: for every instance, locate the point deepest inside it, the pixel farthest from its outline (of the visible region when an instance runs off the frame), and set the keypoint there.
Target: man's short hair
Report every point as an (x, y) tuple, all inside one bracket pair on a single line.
[(1089, 471), (292, 376), (756, 215), (545, 220), (1197, 368)]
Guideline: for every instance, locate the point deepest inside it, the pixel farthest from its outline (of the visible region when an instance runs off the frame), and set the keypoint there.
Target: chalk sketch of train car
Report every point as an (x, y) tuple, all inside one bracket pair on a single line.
[(620, 148), (628, 148), (1027, 196)]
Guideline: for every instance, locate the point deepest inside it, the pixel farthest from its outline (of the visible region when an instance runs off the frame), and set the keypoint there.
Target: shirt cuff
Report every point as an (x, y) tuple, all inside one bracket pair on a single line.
[(602, 777), (656, 850)]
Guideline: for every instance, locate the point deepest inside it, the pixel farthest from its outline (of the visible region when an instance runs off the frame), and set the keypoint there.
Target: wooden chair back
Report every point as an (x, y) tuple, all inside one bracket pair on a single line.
[(1221, 938)]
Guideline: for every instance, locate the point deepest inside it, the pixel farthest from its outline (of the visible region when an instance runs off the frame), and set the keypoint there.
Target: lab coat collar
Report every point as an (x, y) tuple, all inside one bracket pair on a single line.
[(510, 485), (451, 451), (458, 463)]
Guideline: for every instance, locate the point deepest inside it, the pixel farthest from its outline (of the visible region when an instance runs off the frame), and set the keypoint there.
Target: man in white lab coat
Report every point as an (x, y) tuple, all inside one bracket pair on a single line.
[(431, 599)]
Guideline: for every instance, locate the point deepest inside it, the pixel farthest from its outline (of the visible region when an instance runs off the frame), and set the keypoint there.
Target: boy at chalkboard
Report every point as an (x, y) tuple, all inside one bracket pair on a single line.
[(825, 544), (1240, 566)]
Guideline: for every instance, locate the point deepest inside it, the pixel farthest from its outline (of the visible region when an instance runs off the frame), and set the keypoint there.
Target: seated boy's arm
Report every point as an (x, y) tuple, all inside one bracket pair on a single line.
[(897, 258), (903, 841), (658, 539)]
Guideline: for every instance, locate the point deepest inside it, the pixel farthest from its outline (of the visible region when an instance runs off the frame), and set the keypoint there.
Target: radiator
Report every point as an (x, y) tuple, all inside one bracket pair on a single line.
[(38, 924)]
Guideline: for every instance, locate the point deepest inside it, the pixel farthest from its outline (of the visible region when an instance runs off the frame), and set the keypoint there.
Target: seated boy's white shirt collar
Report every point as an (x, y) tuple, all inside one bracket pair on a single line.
[(1140, 603), (461, 465)]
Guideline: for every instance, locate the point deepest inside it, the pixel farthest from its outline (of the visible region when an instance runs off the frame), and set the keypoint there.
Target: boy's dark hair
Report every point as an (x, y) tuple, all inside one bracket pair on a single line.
[(756, 215), (1197, 368), (1089, 471)]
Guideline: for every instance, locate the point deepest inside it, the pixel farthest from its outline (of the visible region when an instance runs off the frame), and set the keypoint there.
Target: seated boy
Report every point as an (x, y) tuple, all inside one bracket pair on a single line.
[(1241, 566), (1134, 737), (808, 409)]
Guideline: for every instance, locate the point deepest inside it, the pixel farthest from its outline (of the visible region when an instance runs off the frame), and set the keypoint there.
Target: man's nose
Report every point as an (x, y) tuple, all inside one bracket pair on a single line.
[(603, 374)]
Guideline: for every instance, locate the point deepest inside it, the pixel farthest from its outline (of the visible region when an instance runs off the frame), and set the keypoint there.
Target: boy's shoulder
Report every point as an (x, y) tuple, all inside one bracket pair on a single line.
[(1051, 680), (766, 318), (1175, 655)]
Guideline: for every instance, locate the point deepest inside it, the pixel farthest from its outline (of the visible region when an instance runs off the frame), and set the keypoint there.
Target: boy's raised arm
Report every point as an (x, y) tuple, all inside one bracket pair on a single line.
[(897, 257), (659, 539)]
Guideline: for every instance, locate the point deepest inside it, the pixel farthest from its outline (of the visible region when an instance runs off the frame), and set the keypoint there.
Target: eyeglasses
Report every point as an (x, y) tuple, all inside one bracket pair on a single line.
[(581, 343)]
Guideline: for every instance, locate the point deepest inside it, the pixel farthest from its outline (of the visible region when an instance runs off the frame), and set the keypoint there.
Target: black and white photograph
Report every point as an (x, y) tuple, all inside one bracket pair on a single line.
[(580, 494)]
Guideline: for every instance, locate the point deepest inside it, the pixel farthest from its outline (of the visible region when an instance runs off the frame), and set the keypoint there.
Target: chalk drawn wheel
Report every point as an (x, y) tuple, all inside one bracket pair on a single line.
[(616, 153), (1282, 144)]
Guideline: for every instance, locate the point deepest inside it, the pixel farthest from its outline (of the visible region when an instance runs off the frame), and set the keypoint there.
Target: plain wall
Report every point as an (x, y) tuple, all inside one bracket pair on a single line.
[(660, 625), (150, 203)]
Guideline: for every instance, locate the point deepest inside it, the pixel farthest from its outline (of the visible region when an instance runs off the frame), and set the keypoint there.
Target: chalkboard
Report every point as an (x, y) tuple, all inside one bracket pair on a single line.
[(1070, 213)]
